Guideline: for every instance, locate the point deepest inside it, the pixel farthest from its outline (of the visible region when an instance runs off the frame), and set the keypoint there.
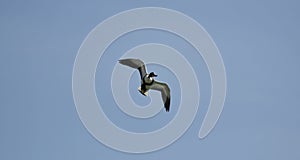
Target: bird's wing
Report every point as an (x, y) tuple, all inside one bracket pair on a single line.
[(135, 63), (165, 93)]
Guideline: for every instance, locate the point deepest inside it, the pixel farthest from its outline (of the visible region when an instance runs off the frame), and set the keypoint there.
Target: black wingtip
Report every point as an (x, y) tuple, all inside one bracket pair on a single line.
[(167, 104)]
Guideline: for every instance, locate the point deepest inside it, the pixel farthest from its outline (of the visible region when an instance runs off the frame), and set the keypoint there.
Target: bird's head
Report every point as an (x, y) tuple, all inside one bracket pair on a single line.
[(152, 74)]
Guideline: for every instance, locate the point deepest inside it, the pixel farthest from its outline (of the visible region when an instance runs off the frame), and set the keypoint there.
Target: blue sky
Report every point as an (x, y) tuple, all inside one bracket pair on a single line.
[(258, 41)]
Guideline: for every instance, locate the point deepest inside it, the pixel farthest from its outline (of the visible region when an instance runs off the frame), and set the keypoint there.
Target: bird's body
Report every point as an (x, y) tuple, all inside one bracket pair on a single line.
[(148, 82)]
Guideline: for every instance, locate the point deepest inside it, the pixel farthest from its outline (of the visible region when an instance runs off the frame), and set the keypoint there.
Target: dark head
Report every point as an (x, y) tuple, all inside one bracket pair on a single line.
[(152, 75)]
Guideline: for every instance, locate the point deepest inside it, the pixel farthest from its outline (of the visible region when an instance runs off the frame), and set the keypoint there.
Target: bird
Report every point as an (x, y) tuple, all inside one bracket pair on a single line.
[(148, 82)]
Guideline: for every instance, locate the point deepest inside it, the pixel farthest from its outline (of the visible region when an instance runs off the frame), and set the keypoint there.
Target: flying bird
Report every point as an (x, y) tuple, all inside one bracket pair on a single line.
[(148, 82)]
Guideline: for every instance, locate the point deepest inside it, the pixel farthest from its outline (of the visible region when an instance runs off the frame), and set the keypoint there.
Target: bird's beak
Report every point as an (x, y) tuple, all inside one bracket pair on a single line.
[(154, 75)]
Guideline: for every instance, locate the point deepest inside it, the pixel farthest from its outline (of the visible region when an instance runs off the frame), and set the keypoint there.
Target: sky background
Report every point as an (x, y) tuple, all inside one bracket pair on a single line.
[(259, 43)]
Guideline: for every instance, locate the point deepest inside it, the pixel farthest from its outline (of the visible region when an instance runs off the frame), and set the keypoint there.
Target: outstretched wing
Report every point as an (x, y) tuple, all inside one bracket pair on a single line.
[(165, 93), (135, 63)]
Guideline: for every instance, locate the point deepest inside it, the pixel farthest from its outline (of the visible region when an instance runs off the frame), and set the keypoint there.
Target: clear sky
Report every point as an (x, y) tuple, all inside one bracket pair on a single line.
[(259, 43)]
